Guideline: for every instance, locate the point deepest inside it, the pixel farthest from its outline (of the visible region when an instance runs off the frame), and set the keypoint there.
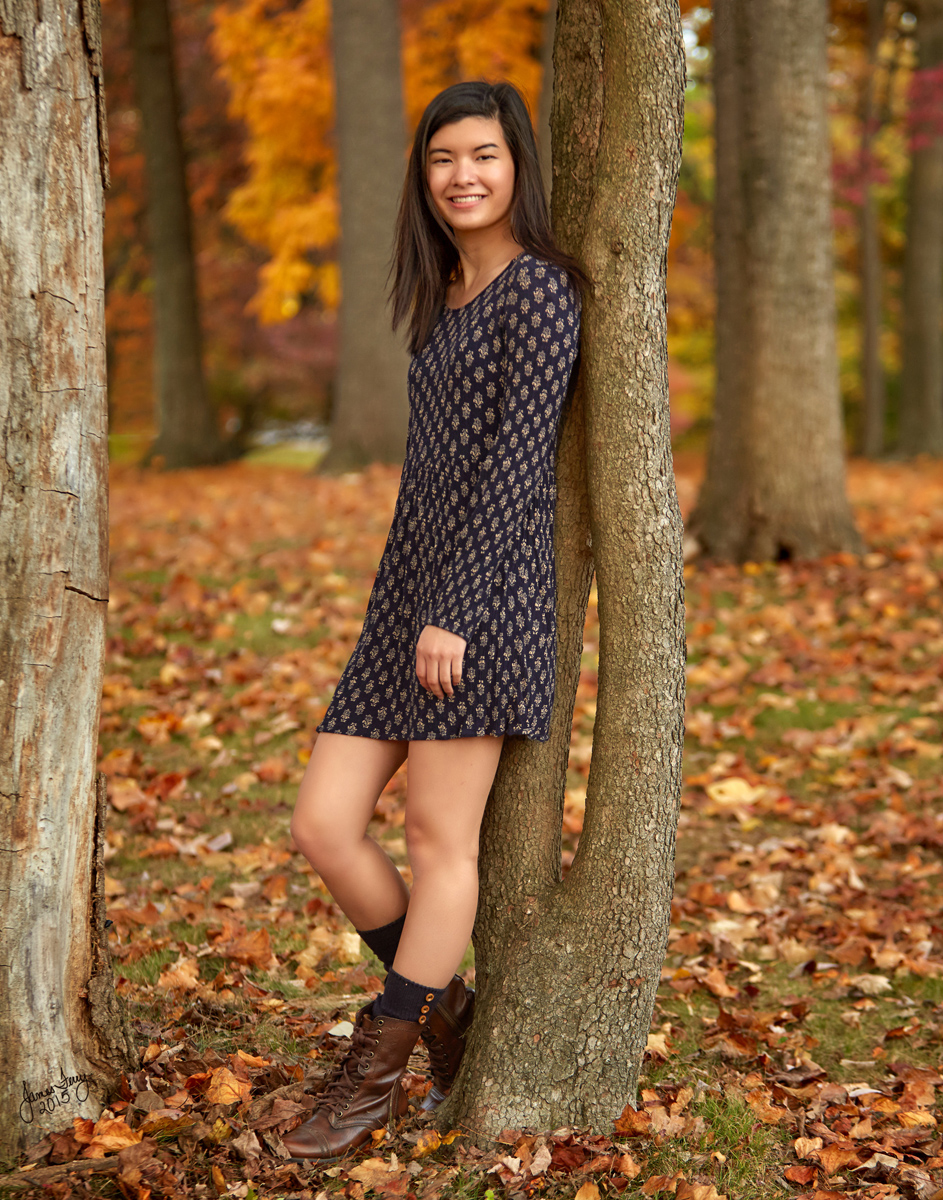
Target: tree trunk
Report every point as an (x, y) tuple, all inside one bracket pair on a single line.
[(567, 970), (921, 394), (188, 434), (545, 105), (775, 474), (371, 409), (872, 369), (61, 1036)]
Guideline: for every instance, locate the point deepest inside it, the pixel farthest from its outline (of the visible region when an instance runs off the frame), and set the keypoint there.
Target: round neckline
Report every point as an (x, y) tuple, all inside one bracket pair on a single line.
[(490, 283)]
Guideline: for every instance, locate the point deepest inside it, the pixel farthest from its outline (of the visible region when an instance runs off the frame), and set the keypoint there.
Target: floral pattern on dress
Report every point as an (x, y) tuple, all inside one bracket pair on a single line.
[(470, 548)]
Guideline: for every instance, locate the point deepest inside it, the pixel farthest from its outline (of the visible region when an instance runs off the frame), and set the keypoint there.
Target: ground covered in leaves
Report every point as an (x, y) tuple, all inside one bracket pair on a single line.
[(796, 1046)]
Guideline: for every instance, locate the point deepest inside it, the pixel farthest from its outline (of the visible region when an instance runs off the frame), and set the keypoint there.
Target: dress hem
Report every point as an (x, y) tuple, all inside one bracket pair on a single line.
[(434, 737)]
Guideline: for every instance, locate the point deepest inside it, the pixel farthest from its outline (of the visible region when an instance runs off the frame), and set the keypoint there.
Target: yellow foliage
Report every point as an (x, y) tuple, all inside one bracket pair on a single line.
[(277, 63)]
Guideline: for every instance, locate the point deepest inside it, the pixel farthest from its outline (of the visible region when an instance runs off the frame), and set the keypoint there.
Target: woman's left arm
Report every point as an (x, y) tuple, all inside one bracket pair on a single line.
[(542, 331)]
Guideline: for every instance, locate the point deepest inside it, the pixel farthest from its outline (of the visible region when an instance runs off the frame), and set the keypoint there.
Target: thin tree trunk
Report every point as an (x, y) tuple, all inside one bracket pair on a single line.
[(872, 368), (567, 971), (921, 394), (775, 476), (62, 1039), (188, 434), (545, 106), (371, 410)]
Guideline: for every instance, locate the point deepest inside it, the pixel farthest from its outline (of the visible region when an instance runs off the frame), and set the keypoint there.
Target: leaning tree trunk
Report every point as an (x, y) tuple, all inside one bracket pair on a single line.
[(567, 971), (872, 369), (775, 484), (61, 1037), (545, 100), (188, 434), (921, 393), (371, 411)]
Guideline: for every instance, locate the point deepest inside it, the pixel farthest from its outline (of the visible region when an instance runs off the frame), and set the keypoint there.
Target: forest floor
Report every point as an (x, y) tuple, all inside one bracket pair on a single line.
[(796, 1046)]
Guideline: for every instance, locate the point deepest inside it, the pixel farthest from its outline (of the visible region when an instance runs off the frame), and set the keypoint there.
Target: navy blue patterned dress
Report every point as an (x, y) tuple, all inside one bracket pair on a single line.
[(471, 545)]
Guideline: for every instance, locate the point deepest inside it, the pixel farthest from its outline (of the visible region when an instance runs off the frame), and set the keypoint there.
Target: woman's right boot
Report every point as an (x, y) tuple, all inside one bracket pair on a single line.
[(443, 1033), (365, 1092)]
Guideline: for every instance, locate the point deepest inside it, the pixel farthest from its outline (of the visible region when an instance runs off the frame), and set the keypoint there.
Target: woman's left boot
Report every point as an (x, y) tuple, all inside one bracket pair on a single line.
[(444, 1035), (365, 1092)]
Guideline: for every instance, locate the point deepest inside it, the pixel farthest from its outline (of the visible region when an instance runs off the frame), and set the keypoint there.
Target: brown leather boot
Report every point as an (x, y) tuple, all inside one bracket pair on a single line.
[(444, 1036), (364, 1093)]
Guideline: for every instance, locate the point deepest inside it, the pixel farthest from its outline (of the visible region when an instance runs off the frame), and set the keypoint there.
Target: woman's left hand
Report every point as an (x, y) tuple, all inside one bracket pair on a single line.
[(439, 656)]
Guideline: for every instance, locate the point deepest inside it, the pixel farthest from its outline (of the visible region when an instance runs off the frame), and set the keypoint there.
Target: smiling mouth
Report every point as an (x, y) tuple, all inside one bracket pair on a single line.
[(463, 200)]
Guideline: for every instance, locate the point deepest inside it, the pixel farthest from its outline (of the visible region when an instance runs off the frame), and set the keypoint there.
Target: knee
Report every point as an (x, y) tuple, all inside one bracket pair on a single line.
[(436, 844), (319, 838)]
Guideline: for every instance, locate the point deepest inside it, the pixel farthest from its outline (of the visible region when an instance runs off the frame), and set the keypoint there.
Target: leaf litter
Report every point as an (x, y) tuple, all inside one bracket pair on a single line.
[(795, 1047)]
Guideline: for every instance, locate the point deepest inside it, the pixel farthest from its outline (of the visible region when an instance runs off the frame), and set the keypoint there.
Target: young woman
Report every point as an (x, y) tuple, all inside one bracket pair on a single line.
[(458, 644)]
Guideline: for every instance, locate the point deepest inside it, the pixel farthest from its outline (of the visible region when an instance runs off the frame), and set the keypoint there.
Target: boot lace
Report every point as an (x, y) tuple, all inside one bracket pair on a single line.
[(349, 1071), (438, 1060)]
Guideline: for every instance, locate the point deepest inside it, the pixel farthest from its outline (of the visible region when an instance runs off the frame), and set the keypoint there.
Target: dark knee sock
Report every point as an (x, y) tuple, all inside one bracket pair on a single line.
[(405, 1000), (384, 940)]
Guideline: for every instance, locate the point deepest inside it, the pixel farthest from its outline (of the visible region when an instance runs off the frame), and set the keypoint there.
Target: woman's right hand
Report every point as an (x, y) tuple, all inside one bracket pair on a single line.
[(439, 657)]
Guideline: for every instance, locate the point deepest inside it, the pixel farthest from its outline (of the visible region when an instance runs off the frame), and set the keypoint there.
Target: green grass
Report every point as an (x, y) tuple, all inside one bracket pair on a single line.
[(298, 455)]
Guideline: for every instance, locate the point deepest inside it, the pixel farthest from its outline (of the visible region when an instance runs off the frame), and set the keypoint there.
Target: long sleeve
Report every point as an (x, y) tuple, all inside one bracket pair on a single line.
[(541, 328)]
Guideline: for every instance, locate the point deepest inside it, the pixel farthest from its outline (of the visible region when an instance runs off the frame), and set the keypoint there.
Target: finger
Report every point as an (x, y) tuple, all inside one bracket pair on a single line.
[(427, 672)]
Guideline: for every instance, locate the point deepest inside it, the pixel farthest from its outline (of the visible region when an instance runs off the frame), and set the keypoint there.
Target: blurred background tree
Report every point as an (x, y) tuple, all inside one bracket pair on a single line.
[(775, 485), (257, 119), (188, 435)]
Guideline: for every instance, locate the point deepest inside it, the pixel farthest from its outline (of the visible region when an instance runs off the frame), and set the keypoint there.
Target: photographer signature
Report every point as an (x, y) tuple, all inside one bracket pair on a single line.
[(68, 1089)]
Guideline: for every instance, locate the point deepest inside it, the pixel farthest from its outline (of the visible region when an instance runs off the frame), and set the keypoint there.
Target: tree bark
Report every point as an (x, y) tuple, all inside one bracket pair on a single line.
[(872, 369), (371, 409), (775, 475), (545, 104), (62, 1039), (921, 394), (188, 435), (567, 969)]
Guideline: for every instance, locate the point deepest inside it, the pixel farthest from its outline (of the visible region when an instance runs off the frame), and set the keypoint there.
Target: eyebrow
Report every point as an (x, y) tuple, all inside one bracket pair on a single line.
[(443, 150)]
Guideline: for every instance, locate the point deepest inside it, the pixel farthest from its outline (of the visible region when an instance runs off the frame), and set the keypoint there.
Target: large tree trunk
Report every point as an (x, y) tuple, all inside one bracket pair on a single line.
[(872, 368), (61, 1037), (188, 434), (371, 410), (775, 484), (921, 394), (567, 971)]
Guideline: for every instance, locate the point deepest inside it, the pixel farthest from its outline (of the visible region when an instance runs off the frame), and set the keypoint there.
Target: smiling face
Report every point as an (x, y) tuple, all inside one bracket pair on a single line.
[(470, 172)]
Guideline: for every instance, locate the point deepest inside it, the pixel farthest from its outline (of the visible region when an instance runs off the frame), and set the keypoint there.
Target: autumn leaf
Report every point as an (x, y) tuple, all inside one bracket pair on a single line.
[(806, 1147), (109, 1135), (715, 981), (800, 1174), (658, 1184), (769, 1114), (225, 1088), (911, 1120), (698, 1191), (634, 1123), (587, 1191), (166, 1120), (183, 976), (836, 1157)]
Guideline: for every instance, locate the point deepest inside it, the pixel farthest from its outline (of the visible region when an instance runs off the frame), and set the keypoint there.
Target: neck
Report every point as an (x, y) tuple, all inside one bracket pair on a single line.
[(485, 253)]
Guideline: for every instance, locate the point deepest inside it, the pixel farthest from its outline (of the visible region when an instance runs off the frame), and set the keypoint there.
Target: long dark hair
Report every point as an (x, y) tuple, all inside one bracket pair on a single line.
[(425, 256)]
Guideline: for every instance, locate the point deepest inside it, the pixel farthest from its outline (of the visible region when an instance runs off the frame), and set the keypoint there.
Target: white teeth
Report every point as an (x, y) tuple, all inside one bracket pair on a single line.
[(464, 199)]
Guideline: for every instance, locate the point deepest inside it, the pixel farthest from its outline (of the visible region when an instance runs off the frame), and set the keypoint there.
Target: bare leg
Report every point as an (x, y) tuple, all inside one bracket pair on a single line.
[(336, 799), (447, 789)]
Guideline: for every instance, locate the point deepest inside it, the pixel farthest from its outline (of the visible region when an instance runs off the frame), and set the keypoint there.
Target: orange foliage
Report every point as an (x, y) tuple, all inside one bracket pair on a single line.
[(279, 72), (278, 68)]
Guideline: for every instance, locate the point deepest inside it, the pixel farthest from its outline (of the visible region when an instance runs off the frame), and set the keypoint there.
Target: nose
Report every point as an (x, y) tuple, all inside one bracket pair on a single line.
[(464, 172)]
